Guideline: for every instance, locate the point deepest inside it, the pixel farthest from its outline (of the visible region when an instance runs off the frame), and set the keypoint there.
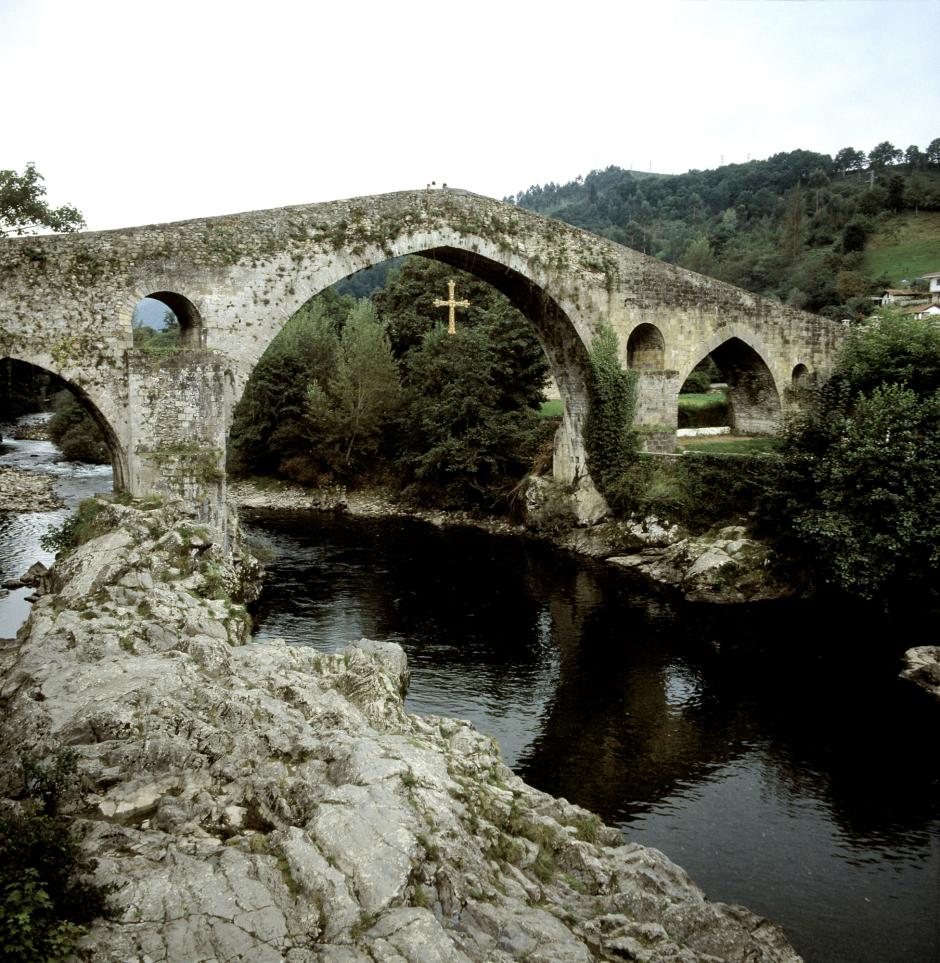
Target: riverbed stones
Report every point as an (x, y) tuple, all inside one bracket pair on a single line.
[(272, 802), (26, 491)]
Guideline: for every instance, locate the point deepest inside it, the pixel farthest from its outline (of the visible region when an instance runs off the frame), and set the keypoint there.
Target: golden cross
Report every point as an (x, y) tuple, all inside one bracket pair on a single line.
[(451, 304)]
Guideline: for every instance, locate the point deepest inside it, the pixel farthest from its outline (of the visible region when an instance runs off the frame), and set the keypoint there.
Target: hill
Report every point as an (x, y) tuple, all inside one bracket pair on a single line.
[(818, 232), (904, 247)]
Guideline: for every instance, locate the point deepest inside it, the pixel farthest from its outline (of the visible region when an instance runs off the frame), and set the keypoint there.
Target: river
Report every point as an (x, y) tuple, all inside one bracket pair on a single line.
[(801, 783), (771, 751), (20, 533)]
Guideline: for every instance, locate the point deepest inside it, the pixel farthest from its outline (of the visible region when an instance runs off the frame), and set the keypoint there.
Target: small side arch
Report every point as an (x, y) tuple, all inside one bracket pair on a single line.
[(800, 376), (754, 405), (192, 333), (646, 348)]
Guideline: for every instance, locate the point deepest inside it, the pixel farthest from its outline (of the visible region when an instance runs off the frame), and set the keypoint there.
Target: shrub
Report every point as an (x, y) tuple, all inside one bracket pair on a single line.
[(46, 895), (76, 433), (81, 526)]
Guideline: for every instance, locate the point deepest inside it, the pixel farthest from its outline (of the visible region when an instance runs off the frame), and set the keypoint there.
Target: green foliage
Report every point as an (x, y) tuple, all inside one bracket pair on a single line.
[(700, 490), (698, 383), (47, 897), (79, 527), (269, 426), (379, 389), (463, 437), (609, 440), (706, 410), (76, 433), (783, 227), (347, 416), (24, 209), (857, 495), (165, 341)]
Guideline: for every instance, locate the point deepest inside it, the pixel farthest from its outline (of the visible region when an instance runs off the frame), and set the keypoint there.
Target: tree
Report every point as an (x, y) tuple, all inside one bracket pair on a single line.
[(24, 210), (464, 438), (848, 159), (348, 413), (269, 422), (914, 157), (883, 154), (792, 230), (857, 490), (406, 306), (933, 151), (699, 256), (76, 433)]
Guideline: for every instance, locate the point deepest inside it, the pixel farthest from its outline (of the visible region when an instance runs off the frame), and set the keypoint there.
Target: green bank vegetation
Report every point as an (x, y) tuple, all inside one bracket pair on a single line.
[(819, 232)]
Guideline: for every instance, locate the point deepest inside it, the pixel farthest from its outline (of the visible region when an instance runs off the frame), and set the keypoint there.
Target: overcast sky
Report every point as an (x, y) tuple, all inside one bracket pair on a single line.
[(144, 112)]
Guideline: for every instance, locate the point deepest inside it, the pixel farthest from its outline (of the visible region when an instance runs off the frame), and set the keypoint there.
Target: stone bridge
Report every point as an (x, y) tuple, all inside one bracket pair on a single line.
[(66, 304)]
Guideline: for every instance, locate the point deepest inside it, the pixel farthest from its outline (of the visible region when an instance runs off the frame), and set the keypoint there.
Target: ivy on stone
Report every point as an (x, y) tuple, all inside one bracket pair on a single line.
[(609, 439)]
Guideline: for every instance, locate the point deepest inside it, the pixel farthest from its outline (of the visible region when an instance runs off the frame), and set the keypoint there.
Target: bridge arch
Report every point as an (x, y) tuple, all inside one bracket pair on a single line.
[(754, 397), (85, 399), (646, 348), (192, 332), (556, 322)]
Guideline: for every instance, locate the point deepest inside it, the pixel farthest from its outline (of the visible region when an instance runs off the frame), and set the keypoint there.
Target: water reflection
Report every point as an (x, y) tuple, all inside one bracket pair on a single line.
[(803, 786)]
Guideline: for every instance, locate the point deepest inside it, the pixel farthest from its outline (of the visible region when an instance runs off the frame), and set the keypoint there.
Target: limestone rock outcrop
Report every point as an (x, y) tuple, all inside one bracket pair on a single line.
[(726, 567), (267, 802), (922, 667)]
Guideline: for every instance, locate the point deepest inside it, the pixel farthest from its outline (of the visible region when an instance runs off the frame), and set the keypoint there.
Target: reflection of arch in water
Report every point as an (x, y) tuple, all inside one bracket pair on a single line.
[(753, 397), (646, 348), (118, 462)]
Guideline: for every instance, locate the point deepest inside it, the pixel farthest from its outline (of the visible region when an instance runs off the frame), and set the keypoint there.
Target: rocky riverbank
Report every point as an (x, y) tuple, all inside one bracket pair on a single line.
[(725, 567), (264, 802), (922, 667), (27, 491)]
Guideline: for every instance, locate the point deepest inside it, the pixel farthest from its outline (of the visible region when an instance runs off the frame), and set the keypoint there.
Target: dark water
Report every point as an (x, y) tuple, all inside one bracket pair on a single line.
[(20, 532), (804, 786)]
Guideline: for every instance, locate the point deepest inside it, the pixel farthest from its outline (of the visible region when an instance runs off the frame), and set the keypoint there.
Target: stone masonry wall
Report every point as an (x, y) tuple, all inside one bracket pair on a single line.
[(66, 301)]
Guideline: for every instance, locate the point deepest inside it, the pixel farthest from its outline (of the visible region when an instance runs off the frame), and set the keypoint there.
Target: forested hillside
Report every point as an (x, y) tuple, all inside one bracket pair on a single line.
[(815, 231)]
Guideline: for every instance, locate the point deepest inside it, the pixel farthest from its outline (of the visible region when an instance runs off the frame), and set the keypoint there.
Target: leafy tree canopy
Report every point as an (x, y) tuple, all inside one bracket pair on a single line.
[(24, 209), (857, 493)]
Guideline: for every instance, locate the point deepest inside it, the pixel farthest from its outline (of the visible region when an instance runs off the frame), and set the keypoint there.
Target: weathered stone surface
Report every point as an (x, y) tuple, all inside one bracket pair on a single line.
[(66, 304), (267, 802), (725, 568), (922, 667)]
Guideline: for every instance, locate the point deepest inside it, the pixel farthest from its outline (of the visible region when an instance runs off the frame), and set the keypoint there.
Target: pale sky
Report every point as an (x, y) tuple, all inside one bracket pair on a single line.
[(146, 112)]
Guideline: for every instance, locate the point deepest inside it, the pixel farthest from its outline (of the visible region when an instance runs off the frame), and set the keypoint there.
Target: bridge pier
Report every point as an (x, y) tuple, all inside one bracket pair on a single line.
[(656, 414), (179, 408)]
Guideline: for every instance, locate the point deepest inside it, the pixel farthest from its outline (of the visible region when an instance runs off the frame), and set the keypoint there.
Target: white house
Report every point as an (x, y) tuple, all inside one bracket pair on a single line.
[(934, 285), (932, 311), (897, 296)]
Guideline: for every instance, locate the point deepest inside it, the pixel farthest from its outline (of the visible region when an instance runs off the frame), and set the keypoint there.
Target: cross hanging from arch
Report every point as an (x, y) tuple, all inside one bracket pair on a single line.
[(451, 304)]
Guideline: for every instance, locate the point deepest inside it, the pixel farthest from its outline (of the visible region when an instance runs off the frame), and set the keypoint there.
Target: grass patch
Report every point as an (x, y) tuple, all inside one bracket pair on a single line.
[(906, 246), (696, 402), (706, 410), (728, 445), (551, 408)]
